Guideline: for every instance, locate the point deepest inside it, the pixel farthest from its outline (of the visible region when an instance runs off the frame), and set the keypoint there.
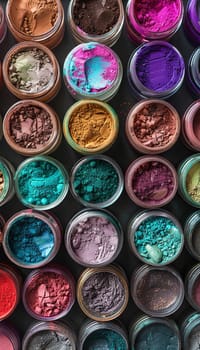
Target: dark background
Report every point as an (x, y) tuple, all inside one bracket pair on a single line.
[(122, 152)]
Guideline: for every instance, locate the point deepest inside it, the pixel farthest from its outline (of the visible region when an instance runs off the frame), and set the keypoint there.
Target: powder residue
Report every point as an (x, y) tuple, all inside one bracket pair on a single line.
[(90, 125), (103, 293), (157, 15), (194, 338), (49, 340), (8, 294), (193, 182), (34, 17), (105, 339)]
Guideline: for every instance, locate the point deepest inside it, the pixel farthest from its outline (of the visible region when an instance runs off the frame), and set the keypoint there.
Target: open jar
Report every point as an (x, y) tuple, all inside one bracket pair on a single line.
[(192, 287), (9, 337), (192, 234), (190, 126), (6, 181), (31, 71), (193, 72), (192, 26), (190, 331), (3, 26)]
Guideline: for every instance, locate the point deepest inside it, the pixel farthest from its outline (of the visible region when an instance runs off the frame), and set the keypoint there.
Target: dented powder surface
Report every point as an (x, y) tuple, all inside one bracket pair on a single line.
[(49, 340)]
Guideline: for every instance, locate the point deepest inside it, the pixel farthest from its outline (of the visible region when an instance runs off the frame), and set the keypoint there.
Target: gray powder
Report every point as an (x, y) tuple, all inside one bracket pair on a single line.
[(49, 340), (194, 339)]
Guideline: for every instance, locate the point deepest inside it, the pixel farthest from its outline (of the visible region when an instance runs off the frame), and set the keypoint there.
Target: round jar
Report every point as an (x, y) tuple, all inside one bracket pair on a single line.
[(31, 239), (192, 25), (3, 26), (1, 77), (31, 128), (49, 335), (33, 20), (155, 237), (102, 292), (152, 126), (93, 238), (96, 21), (53, 282), (191, 126), (9, 338), (41, 182), (92, 71), (96, 181), (190, 331), (31, 71), (192, 234), (99, 335), (193, 72), (1, 124), (6, 181), (151, 181), (192, 287), (157, 291), (149, 57), (154, 334), (10, 288), (90, 127), (188, 180)]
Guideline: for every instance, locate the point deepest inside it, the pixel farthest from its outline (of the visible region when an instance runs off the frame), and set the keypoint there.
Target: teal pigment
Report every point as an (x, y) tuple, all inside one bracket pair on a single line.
[(30, 240), (96, 181), (157, 239), (105, 339)]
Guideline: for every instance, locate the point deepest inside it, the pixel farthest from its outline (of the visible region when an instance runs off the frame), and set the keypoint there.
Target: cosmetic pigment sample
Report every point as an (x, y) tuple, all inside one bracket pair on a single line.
[(196, 292), (196, 239), (8, 294), (5, 342), (1, 182), (96, 17), (194, 338), (105, 339), (31, 71), (193, 182), (49, 340), (34, 18), (196, 124)]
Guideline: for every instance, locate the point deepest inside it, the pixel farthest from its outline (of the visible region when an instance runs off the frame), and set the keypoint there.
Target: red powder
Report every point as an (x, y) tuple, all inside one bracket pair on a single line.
[(8, 294), (196, 292)]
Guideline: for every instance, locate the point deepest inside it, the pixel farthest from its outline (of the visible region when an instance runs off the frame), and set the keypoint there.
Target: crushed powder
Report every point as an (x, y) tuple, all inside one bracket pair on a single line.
[(193, 182)]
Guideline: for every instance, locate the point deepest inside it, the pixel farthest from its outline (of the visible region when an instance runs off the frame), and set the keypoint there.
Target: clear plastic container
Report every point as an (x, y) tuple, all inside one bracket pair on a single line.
[(193, 78), (192, 26), (109, 38), (192, 287), (102, 184), (6, 185), (93, 238), (41, 240), (190, 331), (190, 126), (191, 232), (50, 37), (155, 250), (95, 134), (58, 331), (10, 336), (153, 297), (3, 26), (92, 71), (143, 60), (37, 134)]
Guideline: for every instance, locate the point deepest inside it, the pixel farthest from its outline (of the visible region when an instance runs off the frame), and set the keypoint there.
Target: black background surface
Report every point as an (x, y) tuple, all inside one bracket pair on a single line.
[(122, 152)]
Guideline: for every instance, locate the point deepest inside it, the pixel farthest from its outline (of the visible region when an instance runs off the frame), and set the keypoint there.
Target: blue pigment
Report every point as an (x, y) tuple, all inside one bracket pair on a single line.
[(30, 240), (105, 339)]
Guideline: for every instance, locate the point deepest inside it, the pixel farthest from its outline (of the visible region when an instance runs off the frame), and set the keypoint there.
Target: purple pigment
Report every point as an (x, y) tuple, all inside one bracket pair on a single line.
[(193, 11), (94, 240)]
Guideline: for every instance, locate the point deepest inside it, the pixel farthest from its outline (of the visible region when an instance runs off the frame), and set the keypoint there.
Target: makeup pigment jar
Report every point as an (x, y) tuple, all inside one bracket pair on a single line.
[(31, 71), (190, 331), (41, 182), (96, 181), (192, 287), (151, 181), (93, 238), (57, 335), (157, 291), (31, 127), (145, 75), (102, 292), (99, 21), (92, 71), (189, 180), (90, 127), (192, 234), (101, 335), (152, 126), (6, 181), (192, 25), (3, 26), (193, 72), (9, 337), (155, 237), (53, 282), (31, 239), (153, 20), (155, 334), (191, 126), (33, 20)]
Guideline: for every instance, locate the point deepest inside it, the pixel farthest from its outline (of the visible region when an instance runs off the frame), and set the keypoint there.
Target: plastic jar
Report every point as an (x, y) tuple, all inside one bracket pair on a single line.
[(190, 331), (102, 335), (156, 21), (37, 249), (192, 287), (157, 291), (58, 283), (10, 289), (90, 127), (146, 232), (188, 179), (49, 21), (151, 181), (29, 56), (152, 126), (41, 182), (149, 57), (190, 126), (154, 332), (6, 181), (39, 332), (96, 181), (192, 26), (112, 290), (3, 26), (101, 18), (191, 232), (9, 337), (92, 71), (93, 238), (193, 72)]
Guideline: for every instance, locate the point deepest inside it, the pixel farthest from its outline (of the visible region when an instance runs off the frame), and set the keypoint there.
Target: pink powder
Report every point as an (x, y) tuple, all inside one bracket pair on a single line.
[(5, 343)]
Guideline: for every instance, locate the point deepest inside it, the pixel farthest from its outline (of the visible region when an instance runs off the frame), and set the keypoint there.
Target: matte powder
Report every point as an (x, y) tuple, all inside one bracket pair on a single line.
[(5, 342), (49, 340), (194, 339)]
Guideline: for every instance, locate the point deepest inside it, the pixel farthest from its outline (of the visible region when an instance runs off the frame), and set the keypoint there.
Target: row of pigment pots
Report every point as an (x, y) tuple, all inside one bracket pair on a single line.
[(151, 20), (93, 70), (152, 126)]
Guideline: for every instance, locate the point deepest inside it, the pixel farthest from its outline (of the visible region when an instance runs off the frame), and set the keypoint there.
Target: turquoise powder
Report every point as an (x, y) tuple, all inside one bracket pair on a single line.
[(105, 339)]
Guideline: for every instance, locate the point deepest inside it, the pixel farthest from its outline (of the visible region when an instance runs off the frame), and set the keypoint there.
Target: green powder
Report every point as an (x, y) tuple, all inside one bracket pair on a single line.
[(105, 339)]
